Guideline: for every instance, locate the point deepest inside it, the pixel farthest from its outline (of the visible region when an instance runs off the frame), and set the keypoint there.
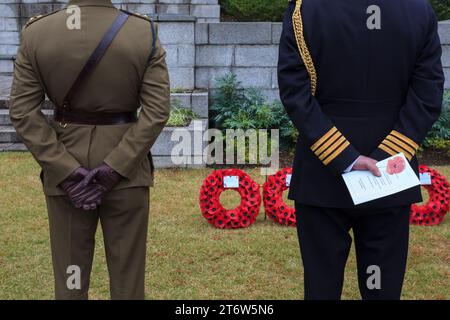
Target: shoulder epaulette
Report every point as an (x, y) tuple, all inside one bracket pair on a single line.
[(39, 17), (137, 14)]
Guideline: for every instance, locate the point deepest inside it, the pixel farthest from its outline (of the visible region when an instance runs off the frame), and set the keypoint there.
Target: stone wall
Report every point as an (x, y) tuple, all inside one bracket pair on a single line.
[(250, 50), (444, 33), (176, 33)]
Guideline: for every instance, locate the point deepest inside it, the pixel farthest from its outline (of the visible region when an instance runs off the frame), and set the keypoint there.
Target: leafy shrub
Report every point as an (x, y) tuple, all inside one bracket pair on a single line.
[(227, 100), (254, 10), (273, 10), (180, 116), (442, 8), (439, 135), (236, 108)]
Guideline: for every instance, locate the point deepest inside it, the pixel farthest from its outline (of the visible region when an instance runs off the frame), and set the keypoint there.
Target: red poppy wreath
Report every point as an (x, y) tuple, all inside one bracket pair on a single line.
[(242, 216), (433, 212), (274, 205)]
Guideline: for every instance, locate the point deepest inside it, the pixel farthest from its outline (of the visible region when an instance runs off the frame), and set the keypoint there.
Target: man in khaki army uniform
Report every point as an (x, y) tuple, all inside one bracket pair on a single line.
[(94, 154)]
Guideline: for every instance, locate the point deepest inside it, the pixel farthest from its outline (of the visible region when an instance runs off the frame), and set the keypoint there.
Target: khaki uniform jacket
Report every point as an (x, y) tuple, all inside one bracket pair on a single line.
[(49, 59)]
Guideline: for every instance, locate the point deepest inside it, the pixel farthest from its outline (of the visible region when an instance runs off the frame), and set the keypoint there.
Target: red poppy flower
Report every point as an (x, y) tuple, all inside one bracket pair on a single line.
[(245, 222), (396, 165), (220, 222)]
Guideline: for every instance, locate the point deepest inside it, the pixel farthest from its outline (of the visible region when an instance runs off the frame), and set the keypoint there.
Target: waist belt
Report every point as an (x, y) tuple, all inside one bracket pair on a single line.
[(93, 118)]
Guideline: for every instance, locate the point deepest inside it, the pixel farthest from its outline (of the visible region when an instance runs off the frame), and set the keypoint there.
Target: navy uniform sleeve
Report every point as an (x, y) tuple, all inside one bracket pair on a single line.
[(423, 102), (325, 140)]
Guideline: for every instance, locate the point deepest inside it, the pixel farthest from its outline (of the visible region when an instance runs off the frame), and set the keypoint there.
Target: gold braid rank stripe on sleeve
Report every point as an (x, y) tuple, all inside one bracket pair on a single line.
[(396, 142), (330, 145), (324, 137), (332, 148), (302, 46), (387, 149), (403, 145), (414, 145), (327, 144), (336, 153), (398, 149)]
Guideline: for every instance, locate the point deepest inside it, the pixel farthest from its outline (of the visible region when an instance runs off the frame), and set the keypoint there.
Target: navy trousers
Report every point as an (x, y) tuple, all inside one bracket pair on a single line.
[(381, 245)]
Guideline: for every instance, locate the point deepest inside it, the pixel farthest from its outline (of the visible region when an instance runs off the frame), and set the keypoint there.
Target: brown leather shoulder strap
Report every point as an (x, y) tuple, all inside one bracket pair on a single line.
[(95, 57), (152, 53)]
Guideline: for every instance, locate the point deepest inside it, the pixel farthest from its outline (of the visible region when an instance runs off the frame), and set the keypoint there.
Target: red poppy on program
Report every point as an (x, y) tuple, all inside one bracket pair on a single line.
[(396, 165)]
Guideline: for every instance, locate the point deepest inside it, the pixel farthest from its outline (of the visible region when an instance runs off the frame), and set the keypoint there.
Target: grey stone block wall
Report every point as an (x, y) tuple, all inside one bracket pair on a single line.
[(250, 50), (444, 33), (196, 100), (178, 38)]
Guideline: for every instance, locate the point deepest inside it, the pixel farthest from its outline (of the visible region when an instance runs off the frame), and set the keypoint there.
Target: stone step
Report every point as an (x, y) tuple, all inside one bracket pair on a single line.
[(8, 135), (6, 121), (4, 104), (159, 161), (12, 147)]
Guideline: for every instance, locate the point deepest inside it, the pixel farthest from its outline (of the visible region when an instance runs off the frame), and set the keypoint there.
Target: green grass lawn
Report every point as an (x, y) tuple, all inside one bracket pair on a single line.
[(188, 258)]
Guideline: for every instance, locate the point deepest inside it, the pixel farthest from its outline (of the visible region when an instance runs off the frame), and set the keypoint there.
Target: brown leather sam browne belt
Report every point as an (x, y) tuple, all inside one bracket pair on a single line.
[(93, 118), (66, 114)]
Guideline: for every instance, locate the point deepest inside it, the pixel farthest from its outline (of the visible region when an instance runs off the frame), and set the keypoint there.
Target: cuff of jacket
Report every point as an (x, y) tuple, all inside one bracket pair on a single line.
[(395, 143), (58, 172), (121, 165), (345, 158), (350, 167), (335, 151)]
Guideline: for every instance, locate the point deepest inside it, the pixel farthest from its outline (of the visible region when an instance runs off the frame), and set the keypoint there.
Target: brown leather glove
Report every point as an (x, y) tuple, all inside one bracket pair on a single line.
[(79, 194), (100, 181)]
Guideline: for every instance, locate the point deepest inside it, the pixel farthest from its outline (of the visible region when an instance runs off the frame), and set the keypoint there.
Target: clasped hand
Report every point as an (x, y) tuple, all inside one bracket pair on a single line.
[(364, 163), (86, 188)]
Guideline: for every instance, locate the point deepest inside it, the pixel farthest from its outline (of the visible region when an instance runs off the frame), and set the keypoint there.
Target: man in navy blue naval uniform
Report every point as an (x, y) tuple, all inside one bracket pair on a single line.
[(361, 81)]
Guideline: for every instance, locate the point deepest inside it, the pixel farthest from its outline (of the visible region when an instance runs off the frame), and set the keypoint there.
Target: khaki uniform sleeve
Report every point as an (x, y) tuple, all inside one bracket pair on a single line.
[(155, 111), (27, 96)]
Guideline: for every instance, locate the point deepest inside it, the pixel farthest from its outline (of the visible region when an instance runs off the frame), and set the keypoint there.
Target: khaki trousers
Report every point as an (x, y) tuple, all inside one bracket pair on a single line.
[(123, 216)]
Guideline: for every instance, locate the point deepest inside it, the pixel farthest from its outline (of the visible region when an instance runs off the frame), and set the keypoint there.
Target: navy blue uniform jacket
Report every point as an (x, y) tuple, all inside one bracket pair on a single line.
[(379, 91)]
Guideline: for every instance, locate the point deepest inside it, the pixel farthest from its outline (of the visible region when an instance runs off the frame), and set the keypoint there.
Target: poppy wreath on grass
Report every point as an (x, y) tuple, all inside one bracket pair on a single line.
[(275, 207), (434, 210), (242, 216)]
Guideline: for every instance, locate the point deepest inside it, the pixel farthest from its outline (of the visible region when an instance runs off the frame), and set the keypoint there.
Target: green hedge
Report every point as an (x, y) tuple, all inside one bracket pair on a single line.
[(273, 10), (442, 8), (254, 10)]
